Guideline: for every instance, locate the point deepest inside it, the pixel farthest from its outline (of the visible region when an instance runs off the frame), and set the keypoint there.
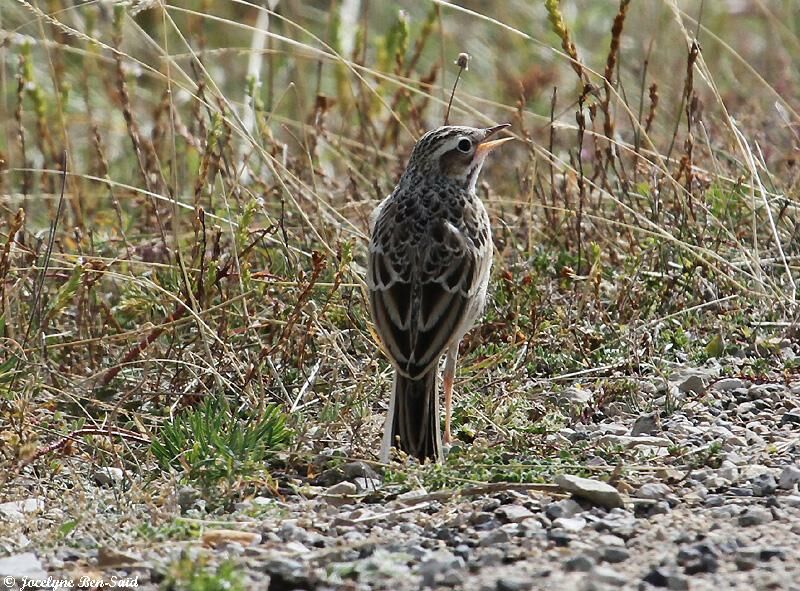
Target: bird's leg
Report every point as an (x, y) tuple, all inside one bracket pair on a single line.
[(449, 376)]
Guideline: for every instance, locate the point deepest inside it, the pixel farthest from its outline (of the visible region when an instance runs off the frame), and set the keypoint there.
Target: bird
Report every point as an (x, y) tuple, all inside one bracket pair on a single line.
[(429, 261)]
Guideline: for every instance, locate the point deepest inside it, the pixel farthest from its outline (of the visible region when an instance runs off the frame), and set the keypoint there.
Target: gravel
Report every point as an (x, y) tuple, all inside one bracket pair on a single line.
[(710, 503)]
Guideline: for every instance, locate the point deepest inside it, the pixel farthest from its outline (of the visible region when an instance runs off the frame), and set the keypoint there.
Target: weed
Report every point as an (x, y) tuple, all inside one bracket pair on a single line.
[(189, 574), (215, 445)]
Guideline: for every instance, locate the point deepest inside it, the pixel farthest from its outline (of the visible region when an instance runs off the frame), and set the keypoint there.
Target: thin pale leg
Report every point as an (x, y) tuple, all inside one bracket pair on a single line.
[(387, 442), (447, 378)]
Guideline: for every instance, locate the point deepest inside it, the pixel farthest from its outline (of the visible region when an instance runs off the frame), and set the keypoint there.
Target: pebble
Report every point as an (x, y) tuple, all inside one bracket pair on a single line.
[(562, 508), (513, 584), (338, 494), (22, 565), (666, 578), (608, 576), (789, 477), (629, 441), (438, 563), (701, 558), (646, 424), (791, 418), (656, 491), (108, 476), (15, 510), (513, 513), (726, 384), (349, 471), (764, 485), (494, 538), (755, 516), (696, 384), (187, 496), (570, 524), (579, 563), (615, 554), (594, 491), (729, 471)]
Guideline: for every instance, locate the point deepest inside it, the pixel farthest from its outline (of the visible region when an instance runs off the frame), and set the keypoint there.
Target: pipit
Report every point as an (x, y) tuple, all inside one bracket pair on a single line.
[(430, 254)]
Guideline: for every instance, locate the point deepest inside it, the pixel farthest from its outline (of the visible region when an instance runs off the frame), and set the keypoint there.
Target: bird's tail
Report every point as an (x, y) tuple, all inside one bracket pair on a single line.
[(412, 423)]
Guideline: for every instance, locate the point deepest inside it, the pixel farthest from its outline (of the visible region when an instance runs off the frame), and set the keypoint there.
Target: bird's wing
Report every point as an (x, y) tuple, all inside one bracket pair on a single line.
[(422, 287)]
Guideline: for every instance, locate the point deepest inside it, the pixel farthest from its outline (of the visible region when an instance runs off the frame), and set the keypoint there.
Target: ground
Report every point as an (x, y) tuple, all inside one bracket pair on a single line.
[(191, 389), (705, 498)]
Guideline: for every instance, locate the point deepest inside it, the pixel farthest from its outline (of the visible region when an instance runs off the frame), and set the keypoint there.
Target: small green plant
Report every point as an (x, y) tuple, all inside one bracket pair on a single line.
[(187, 574), (178, 530), (214, 444)]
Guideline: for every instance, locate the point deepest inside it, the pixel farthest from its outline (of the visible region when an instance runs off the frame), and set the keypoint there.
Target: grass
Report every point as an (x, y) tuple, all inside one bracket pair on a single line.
[(184, 206)]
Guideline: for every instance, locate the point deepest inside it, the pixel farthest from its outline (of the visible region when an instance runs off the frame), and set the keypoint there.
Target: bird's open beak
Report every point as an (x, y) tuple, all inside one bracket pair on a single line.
[(487, 146)]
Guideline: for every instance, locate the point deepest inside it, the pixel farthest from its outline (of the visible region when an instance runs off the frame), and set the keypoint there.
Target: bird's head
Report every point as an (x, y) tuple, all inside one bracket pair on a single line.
[(455, 153)]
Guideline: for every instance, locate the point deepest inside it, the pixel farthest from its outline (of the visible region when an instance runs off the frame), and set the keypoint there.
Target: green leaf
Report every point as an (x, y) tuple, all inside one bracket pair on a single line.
[(66, 528), (65, 293), (716, 346)]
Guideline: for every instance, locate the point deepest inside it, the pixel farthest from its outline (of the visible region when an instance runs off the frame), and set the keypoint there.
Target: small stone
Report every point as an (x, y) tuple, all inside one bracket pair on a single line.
[(701, 558), (562, 508), (726, 384), (113, 558), (728, 470), (498, 536), (791, 418), (437, 563), (619, 522), (187, 496), (610, 540), (789, 477), (629, 441), (767, 554), (741, 491), (755, 516), (559, 537), (108, 476), (462, 551), (791, 500), (608, 576), (349, 471), (481, 518), (570, 524), (615, 554), (282, 568), (22, 565), (764, 485), (513, 584), (595, 491), (746, 559), (664, 577), (340, 491), (491, 557), (531, 526), (580, 563), (576, 395), (646, 424), (15, 510), (696, 384), (453, 578), (656, 491), (513, 513)]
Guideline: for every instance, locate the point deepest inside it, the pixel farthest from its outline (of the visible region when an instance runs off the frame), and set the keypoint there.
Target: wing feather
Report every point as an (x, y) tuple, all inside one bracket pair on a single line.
[(421, 294)]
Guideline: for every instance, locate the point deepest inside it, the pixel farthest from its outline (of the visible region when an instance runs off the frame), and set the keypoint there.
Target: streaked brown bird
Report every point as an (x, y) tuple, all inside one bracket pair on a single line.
[(430, 254)]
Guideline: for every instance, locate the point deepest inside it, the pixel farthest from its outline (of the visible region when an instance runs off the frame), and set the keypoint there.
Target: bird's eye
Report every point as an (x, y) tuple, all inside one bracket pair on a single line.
[(464, 145)]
